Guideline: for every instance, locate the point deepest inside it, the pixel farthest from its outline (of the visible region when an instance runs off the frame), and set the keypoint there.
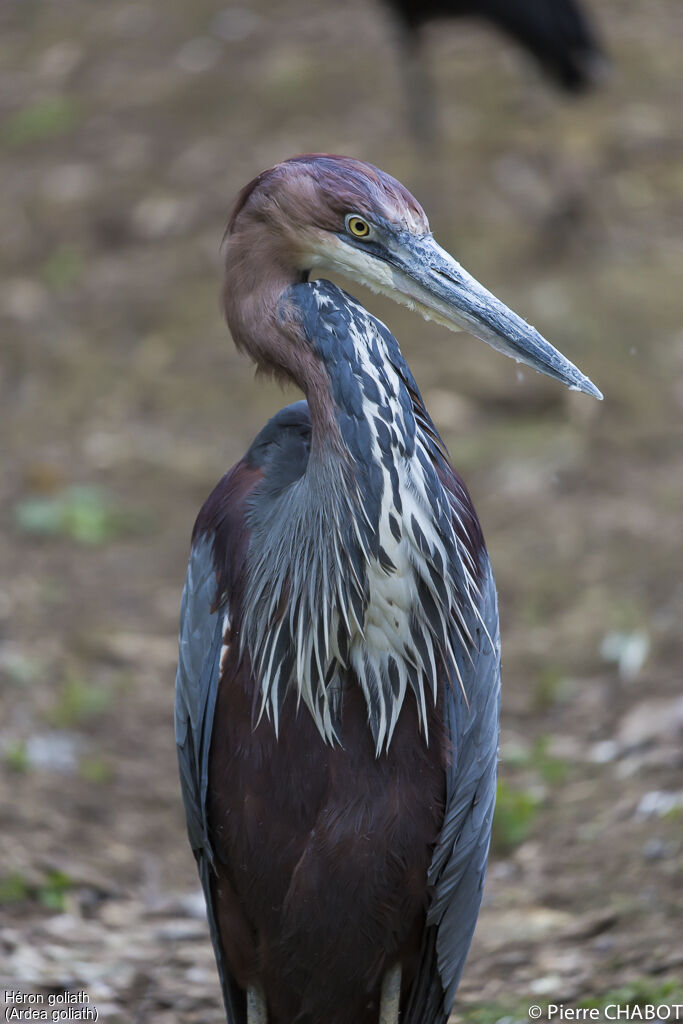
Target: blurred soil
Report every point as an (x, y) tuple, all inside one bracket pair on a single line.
[(127, 127)]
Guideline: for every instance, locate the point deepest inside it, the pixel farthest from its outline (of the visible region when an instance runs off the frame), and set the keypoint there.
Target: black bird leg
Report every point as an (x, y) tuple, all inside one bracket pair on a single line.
[(419, 91)]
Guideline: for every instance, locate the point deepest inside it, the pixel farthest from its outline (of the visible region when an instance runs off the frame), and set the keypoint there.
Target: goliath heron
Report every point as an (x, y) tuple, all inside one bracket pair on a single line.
[(338, 683)]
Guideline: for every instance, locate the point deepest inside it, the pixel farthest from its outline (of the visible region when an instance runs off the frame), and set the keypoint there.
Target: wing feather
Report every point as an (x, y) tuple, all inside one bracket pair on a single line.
[(197, 678), (458, 865)]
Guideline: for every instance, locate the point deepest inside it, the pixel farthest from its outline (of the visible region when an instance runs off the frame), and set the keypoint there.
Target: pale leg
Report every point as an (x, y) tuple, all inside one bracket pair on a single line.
[(391, 996), (256, 1005)]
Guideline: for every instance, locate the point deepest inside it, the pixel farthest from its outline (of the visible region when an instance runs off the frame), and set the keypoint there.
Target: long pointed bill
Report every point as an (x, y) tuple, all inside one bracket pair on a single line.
[(431, 280)]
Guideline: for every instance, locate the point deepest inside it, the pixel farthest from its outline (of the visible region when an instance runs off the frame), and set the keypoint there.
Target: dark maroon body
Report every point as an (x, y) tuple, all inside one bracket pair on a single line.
[(322, 853)]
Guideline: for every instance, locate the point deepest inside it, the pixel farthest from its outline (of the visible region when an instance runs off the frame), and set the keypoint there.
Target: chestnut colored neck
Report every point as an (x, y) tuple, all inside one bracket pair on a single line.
[(258, 273)]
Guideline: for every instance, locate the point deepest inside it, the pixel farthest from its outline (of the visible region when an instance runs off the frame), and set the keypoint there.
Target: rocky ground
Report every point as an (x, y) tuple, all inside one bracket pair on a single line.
[(127, 127)]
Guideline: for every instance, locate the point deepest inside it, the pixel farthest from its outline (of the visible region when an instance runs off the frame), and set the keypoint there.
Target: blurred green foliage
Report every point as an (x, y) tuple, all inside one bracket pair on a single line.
[(79, 702), (50, 892), (551, 769), (82, 513), (550, 689), (95, 770), (63, 267), (47, 119), (14, 888), (515, 812), (515, 1011), (517, 806), (639, 992), (16, 756)]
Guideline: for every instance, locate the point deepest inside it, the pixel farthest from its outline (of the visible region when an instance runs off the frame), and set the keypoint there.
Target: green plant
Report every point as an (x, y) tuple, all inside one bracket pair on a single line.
[(52, 892), (549, 689), (46, 119), (16, 756), (63, 267), (14, 888), (515, 812), (551, 769), (82, 513), (79, 702), (95, 770), (639, 992)]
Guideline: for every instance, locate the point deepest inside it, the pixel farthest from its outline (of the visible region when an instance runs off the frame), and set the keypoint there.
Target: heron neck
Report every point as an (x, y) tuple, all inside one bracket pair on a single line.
[(364, 388), (266, 325), (356, 576)]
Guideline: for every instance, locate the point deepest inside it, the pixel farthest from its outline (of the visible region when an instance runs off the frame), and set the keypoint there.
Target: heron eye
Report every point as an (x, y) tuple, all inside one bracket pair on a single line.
[(358, 227)]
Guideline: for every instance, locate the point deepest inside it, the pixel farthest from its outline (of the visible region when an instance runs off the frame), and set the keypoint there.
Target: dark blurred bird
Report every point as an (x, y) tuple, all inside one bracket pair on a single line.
[(557, 34), (338, 683)]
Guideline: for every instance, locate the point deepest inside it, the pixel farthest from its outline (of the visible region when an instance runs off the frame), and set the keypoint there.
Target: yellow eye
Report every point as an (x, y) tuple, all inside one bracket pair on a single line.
[(358, 227)]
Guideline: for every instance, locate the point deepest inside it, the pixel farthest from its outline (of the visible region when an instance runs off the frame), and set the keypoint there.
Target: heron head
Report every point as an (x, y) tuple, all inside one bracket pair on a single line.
[(342, 215)]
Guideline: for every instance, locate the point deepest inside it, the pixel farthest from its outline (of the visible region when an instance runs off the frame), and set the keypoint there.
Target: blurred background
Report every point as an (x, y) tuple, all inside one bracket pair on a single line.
[(127, 128)]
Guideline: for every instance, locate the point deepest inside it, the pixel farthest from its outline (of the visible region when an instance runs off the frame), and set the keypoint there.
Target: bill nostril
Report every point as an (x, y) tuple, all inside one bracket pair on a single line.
[(446, 276)]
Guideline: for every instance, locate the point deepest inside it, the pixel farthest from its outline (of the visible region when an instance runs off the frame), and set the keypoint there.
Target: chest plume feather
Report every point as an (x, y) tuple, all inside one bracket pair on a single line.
[(360, 578)]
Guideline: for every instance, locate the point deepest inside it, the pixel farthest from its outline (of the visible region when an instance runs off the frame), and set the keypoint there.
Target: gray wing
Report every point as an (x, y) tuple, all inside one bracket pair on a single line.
[(200, 642), (458, 866)]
